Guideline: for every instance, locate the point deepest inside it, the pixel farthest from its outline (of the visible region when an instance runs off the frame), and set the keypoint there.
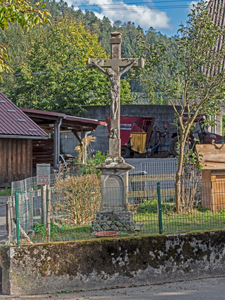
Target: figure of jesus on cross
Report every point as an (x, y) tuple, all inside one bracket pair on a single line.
[(114, 74), (114, 92)]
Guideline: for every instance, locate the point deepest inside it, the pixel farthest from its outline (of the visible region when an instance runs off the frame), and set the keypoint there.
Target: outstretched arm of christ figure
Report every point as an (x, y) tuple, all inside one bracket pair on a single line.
[(128, 67), (100, 68)]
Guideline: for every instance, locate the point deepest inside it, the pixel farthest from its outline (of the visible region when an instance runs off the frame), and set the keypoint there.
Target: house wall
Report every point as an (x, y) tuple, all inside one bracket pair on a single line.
[(15, 160)]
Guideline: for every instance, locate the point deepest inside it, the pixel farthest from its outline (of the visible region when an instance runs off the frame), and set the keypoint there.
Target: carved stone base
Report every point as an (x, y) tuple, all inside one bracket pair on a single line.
[(113, 221), (114, 214)]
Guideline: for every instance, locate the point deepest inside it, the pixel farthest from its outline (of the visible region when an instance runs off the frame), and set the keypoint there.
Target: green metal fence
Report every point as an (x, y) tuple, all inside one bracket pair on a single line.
[(63, 215)]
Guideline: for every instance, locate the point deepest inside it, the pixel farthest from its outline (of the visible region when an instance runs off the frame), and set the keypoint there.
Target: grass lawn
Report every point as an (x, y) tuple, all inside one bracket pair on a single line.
[(198, 219), (5, 192)]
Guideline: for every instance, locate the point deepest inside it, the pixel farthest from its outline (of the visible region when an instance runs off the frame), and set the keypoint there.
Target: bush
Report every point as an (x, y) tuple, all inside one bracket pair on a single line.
[(90, 166), (76, 199)]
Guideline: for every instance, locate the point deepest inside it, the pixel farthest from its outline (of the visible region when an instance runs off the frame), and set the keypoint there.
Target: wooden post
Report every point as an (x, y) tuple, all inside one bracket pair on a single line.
[(9, 219), (31, 208), (82, 143), (43, 205), (48, 214), (56, 154)]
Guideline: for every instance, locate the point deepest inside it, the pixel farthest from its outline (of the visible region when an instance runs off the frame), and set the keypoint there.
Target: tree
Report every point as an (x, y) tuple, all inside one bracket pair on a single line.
[(20, 41), (200, 77), (25, 14), (65, 85)]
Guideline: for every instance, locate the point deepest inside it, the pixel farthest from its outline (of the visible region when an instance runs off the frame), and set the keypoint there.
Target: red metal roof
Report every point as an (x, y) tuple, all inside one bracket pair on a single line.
[(64, 116), (42, 112), (85, 120), (15, 122)]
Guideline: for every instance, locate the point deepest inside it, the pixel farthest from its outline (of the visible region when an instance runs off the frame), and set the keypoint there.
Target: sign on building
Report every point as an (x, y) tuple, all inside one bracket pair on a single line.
[(43, 173)]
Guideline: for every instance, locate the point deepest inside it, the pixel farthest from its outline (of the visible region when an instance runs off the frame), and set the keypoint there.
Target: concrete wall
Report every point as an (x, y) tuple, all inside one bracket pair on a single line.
[(46, 268), (163, 114)]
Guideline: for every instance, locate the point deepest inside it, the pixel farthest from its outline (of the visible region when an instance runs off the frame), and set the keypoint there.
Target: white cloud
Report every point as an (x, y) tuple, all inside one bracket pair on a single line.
[(71, 2), (191, 4), (139, 14), (100, 16)]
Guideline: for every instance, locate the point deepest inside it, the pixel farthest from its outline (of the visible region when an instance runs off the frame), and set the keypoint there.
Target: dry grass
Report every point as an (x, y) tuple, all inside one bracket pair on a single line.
[(77, 199)]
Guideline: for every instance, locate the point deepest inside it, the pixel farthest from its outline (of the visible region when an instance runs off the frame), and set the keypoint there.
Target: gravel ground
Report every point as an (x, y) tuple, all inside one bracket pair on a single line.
[(3, 199)]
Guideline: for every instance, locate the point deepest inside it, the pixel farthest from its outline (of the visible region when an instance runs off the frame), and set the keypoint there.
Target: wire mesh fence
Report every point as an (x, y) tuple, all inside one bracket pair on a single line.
[(73, 214), (29, 183)]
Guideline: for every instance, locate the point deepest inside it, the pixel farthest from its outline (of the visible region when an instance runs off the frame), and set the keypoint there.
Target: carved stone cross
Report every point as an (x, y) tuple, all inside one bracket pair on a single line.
[(114, 73)]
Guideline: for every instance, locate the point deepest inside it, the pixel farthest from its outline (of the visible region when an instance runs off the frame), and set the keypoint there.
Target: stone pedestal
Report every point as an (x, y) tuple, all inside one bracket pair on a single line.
[(114, 214)]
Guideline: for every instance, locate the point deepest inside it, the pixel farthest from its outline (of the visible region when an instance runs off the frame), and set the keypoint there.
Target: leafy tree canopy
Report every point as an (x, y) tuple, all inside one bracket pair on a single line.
[(25, 14), (66, 45), (200, 76), (21, 43)]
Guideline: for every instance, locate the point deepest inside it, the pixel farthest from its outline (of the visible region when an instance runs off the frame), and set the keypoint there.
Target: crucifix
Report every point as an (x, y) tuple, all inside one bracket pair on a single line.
[(114, 74)]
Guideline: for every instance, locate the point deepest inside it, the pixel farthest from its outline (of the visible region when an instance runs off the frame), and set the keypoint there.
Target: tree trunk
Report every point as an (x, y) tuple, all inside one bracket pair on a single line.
[(178, 175)]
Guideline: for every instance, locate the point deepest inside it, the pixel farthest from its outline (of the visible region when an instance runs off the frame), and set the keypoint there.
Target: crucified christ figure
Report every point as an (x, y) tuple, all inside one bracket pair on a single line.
[(114, 92)]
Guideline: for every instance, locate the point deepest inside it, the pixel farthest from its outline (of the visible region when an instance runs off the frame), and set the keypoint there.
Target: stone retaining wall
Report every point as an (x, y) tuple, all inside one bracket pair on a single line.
[(92, 264)]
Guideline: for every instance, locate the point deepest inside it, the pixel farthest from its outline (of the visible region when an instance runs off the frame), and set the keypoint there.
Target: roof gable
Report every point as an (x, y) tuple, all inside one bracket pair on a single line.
[(15, 122)]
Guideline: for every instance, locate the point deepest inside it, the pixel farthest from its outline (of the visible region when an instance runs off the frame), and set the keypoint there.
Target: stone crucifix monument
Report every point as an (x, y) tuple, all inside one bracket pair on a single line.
[(114, 214)]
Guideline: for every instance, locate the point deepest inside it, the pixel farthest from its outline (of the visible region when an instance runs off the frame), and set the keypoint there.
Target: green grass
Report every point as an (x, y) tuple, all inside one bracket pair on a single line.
[(64, 233), (197, 219), (6, 192)]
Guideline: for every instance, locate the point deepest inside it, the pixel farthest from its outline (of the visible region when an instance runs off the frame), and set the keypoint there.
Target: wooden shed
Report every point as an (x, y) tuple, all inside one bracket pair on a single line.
[(213, 176), (17, 132), (54, 123)]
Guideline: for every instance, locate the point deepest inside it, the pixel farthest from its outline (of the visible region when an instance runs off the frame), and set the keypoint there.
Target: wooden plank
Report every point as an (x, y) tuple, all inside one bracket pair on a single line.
[(31, 207), (77, 136), (14, 159), (214, 166), (29, 158), (211, 153), (43, 152), (24, 156), (151, 193), (9, 161), (43, 204), (217, 159), (157, 177), (5, 161), (19, 161)]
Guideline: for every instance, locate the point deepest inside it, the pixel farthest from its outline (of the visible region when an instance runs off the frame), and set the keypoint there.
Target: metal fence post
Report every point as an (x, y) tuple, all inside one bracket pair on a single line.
[(17, 217), (159, 209)]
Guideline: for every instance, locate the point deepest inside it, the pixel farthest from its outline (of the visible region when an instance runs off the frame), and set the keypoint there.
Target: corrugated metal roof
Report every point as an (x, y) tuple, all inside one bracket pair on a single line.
[(84, 120), (61, 115), (43, 112), (15, 122), (216, 9)]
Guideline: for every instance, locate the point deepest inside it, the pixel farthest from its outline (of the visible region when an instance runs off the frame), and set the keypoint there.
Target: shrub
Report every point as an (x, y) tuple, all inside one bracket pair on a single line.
[(152, 207), (76, 199), (90, 166)]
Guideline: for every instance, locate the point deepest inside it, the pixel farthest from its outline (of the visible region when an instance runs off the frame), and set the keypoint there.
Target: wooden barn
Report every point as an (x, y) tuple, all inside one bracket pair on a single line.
[(17, 132)]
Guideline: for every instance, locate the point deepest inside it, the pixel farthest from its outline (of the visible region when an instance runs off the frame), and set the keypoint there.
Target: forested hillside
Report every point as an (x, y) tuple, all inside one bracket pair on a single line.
[(73, 37)]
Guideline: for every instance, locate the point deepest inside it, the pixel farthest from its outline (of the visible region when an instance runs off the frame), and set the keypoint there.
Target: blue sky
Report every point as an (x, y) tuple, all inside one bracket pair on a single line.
[(164, 15)]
